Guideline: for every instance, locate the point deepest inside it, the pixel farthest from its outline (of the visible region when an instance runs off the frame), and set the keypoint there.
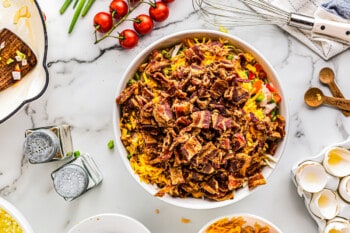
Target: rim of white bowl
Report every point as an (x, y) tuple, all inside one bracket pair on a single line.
[(16, 214), (246, 216), (172, 39), (88, 220)]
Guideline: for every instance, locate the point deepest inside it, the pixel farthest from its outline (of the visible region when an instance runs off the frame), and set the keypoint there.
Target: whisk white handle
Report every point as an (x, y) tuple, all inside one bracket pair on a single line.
[(334, 30)]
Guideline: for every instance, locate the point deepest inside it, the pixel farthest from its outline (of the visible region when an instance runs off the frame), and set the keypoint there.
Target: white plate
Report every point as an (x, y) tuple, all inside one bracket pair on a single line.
[(109, 223), (16, 214), (33, 32), (250, 220), (171, 40)]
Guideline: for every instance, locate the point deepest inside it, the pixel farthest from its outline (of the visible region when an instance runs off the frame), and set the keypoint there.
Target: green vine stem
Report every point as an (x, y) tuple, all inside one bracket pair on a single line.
[(108, 34)]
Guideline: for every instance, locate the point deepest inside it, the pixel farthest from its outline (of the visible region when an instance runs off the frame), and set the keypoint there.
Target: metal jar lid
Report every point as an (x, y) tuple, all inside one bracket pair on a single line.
[(70, 181), (41, 146)]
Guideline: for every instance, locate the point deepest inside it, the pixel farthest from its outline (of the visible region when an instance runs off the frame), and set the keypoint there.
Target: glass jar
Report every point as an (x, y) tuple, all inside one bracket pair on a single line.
[(48, 144), (76, 177)]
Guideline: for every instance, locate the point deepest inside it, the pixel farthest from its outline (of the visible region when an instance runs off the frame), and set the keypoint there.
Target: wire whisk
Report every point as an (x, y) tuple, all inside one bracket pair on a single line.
[(234, 13), (229, 13)]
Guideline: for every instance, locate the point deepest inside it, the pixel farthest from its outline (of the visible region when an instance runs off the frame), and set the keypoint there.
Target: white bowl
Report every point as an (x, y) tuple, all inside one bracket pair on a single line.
[(250, 220), (34, 84), (173, 40), (109, 223), (16, 214)]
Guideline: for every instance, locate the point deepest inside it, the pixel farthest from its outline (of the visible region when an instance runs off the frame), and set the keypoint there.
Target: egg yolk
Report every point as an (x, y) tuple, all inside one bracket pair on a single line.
[(334, 158), (311, 177), (334, 231), (323, 201)]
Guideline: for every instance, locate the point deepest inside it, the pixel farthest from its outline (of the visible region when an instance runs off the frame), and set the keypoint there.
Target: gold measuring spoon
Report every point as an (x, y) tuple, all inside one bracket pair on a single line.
[(326, 77), (314, 98)]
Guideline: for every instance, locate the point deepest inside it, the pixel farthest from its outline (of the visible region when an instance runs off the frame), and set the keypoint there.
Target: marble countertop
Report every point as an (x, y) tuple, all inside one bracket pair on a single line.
[(83, 79)]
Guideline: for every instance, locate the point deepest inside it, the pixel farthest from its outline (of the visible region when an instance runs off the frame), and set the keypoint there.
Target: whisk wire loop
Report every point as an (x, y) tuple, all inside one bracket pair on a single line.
[(220, 12)]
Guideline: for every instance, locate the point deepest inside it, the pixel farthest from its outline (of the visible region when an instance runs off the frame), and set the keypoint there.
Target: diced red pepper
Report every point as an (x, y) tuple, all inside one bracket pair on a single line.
[(258, 67), (17, 68), (270, 87), (276, 97), (262, 74), (251, 75), (257, 85)]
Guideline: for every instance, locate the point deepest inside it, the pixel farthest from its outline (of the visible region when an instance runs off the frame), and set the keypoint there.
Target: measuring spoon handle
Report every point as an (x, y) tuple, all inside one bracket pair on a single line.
[(337, 93), (335, 90), (337, 102)]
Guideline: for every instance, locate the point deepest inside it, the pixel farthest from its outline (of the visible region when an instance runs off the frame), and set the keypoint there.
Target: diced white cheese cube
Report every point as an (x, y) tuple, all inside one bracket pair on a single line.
[(16, 75)]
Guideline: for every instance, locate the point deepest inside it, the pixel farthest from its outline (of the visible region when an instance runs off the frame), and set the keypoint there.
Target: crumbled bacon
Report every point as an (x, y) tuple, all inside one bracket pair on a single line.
[(162, 114), (126, 93), (201, 119), (193, 125)]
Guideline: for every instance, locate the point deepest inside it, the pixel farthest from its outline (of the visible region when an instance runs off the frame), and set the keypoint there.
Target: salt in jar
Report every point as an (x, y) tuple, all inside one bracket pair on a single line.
[(76, 177), (47, 144)]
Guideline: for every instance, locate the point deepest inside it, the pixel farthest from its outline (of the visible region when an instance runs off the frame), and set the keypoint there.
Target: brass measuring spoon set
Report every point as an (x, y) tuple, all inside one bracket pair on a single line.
[(314, 97)]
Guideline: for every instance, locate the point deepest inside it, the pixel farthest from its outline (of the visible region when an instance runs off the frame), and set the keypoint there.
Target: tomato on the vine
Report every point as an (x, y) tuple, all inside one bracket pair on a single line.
[(103, 22), (118, 9), (168, 1), (159, 11), (143, 24), (128, 39)]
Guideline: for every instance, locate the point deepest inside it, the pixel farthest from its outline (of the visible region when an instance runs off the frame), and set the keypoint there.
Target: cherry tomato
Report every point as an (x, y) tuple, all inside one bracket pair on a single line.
[(159, 12), (143, 24), (128, 39), (118, 9), (168, 1), (103, 22)]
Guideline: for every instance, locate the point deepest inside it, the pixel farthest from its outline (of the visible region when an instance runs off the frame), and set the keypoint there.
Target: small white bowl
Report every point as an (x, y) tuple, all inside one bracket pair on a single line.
[(16, 214), (250, 220), (109, 223), (172, 40)]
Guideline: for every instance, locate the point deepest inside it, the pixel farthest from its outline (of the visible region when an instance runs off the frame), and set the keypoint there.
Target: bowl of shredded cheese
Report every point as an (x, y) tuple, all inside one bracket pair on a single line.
[(239, 223), (200, 119), (12, 220)]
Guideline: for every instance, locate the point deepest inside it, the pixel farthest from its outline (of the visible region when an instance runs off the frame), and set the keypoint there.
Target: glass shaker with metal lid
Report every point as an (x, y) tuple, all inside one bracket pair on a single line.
[(47, 144), (76, 177)]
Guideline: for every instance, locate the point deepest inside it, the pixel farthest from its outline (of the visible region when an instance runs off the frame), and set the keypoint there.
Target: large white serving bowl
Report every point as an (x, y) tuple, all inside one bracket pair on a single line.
[(250, 220), (32, 31), (109, 223), (16, 214), (173, 40)]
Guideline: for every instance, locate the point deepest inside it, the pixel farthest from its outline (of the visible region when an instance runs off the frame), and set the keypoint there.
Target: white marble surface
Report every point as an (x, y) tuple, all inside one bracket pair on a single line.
[(83, 77)]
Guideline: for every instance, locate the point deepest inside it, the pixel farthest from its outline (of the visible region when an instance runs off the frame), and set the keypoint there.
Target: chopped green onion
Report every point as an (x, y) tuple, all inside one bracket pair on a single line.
[(76, 154), (87, 7), (129, 156), (229, 57), (9, 61), (76, 15), (260, 97), (110, 144), (274, 114), (65, 6), (20, 55), (75, 3)]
